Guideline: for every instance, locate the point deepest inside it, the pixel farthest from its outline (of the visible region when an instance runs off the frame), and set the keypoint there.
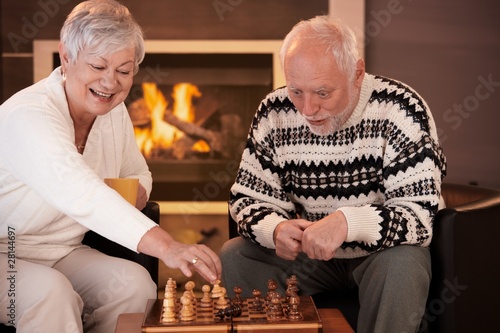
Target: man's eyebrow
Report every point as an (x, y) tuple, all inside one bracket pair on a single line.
[(322, 88)]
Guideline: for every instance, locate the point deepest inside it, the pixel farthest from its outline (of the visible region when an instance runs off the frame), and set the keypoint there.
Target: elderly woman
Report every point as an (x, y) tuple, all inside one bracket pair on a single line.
[(58, 139)]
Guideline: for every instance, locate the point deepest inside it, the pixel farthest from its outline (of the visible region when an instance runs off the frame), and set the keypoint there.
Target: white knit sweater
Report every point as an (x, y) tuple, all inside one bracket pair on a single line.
[(383, 169), (49, 194)]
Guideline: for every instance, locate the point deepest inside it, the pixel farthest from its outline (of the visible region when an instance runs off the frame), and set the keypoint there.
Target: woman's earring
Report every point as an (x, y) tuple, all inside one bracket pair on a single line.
[(64, 76)]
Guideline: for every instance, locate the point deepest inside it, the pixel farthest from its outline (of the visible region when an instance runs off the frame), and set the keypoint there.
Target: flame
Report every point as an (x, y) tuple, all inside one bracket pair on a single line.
[(183, 94), (160, 134)]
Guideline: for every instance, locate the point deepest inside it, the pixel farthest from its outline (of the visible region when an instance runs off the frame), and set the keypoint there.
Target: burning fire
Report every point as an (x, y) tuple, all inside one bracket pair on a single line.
[(160, 135)]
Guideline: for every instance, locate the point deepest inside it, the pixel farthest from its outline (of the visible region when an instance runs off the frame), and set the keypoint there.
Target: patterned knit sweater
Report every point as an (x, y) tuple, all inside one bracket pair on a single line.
[(383, 169)]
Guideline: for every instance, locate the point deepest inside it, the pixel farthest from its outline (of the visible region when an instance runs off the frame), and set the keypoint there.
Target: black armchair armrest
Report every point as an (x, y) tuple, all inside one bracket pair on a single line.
[(465, 293), (96, 241)]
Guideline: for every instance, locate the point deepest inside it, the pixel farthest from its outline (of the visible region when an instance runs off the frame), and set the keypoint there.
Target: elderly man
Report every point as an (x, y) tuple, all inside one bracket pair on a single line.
[(339, 183)]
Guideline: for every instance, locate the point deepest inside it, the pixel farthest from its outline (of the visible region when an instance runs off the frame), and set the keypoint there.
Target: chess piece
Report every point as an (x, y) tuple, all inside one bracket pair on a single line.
[(168, 315), (293, 308), (237, 300), (187, 312), (189, 286), (188, 291), (275, 309), (272, 285), (206, 301), (257, 304), (231, 311), (222, 302), (171, 286), (216, 290), (292, 286)]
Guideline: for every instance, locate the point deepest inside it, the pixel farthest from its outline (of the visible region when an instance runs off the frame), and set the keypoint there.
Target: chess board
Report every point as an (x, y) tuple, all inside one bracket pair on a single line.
[(248, 321)]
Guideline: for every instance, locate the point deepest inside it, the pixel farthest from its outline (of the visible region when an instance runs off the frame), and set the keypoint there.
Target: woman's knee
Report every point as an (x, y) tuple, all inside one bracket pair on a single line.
[(44, 294), (52, 289)]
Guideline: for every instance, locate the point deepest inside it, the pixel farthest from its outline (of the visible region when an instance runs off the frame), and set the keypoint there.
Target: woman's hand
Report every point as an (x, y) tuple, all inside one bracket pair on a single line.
[(193, 257), (188, 258)]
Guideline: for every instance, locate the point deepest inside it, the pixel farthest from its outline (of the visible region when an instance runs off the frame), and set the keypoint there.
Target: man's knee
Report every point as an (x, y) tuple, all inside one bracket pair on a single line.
[(407, 258), (401, 263), (237, 250), (230, 248)]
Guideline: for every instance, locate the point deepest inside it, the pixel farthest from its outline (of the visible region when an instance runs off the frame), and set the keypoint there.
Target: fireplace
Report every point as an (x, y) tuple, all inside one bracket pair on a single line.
[(191, 104)]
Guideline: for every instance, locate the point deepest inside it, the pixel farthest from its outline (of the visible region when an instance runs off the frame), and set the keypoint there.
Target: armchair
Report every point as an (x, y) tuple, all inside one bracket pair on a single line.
[(465, 292)]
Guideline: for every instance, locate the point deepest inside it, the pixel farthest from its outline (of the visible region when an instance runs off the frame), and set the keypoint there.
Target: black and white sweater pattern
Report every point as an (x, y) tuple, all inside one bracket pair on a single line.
[(383, 169)]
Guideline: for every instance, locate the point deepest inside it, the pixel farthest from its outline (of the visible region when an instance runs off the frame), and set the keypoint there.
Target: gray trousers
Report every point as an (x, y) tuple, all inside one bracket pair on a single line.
[(83, 292), (393, 284)]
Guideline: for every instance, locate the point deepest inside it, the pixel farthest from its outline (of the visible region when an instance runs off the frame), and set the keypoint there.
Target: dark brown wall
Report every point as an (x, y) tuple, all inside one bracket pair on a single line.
[(446, 50)]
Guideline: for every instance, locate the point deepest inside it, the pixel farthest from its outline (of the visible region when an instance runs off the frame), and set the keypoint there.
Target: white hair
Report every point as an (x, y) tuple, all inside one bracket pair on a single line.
[(102, 27), (337, 37)]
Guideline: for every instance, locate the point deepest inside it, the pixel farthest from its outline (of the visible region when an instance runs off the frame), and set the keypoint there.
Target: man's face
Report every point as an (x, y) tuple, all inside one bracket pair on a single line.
[(322, 93)]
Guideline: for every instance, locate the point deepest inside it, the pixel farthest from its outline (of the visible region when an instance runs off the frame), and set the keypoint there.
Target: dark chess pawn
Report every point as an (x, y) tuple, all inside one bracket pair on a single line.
[(293, 312), (275, 309), (292, 285), (257, 303), (272, 285), (237, 300), (289, 293)]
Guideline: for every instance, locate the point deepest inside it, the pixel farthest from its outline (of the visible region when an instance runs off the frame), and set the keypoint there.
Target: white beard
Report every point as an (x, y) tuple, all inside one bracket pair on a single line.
[(334, 122)]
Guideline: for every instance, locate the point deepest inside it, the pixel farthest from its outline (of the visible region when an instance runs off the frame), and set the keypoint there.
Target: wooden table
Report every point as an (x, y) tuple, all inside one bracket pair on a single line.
[(333, 322)]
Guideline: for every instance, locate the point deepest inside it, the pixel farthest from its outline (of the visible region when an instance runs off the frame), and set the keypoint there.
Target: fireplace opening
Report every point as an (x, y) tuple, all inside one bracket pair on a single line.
[(197, 107), (192, 112)]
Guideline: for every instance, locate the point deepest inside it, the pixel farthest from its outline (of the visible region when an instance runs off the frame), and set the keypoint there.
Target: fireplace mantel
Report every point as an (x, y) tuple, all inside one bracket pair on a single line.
[(43, 51)]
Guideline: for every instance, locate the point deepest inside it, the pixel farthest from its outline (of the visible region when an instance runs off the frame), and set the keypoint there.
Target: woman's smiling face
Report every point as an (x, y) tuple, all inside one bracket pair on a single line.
[(95, 84)]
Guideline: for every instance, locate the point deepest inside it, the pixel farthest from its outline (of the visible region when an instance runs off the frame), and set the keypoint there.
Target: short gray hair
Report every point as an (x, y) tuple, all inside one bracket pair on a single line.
[(102, 27), (330, 32)]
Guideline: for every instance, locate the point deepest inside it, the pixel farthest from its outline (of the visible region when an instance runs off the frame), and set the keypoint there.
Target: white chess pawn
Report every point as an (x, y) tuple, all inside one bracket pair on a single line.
[(206, 301), (222, 302), (168, 315), (187, 312), (189, 286), (216, 290)]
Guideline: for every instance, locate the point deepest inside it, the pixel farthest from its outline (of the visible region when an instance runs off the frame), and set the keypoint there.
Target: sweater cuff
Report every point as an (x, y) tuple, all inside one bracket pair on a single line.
[(264, 230), (363, 224)]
